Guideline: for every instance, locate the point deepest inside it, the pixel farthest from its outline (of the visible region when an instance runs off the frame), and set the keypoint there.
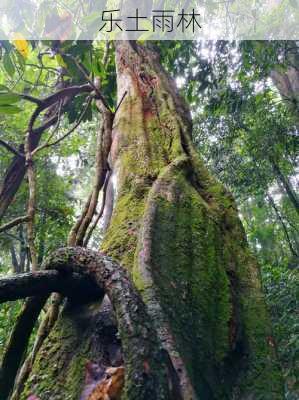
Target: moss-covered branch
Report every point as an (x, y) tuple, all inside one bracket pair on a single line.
[(76, 270), (45, 282), (146, 370)]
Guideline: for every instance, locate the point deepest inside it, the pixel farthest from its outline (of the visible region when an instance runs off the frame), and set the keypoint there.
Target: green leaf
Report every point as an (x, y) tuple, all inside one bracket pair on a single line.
[(20, 60), (8, 65), (4, 88), (8, 109), (9, 98)]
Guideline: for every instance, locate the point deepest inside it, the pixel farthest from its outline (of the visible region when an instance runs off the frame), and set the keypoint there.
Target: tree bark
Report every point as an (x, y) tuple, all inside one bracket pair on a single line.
[(46, 282), (287, 82), (288, 85), (177, 232)]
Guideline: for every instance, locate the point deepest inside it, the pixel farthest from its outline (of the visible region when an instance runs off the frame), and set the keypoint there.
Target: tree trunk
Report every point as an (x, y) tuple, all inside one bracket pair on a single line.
[(288, 85), (177, 231), (287, 82), (286, 184)]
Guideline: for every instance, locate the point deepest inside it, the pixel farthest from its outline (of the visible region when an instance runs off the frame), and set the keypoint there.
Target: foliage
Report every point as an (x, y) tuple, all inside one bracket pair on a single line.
[(8, 315), (244, 130), (282, 293)]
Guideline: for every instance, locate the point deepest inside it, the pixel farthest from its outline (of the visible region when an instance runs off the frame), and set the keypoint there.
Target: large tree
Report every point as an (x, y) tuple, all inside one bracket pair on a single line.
[(184, 312)]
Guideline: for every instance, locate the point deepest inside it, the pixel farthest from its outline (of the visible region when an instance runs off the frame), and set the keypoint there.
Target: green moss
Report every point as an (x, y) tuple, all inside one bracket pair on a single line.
[(121, 238), (193, 252), (188, 272), (261, 377), (59, 369), (196, 244), (262, 364)]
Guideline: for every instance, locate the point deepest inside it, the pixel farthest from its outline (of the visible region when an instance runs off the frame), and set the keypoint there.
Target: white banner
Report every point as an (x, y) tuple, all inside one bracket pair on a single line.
[(149, 20)]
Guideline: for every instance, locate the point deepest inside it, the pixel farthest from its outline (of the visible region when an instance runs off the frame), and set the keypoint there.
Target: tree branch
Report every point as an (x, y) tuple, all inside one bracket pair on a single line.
[(31, 202), (121, 101), (15, 222), (101, 212), (39, 283), (55, 98), (57, 123), (68, 133), (81, 68), (26, 367), (104, 142), (280, 219), (146, 365), (30, 98), (16, 171), (10, 148)]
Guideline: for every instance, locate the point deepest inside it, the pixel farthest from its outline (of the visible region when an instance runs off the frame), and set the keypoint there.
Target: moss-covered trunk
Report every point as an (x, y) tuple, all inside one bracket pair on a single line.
[(177, 231)]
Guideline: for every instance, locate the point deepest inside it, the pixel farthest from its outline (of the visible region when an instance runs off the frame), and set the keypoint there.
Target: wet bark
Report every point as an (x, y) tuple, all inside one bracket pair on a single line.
[(177, 232)]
